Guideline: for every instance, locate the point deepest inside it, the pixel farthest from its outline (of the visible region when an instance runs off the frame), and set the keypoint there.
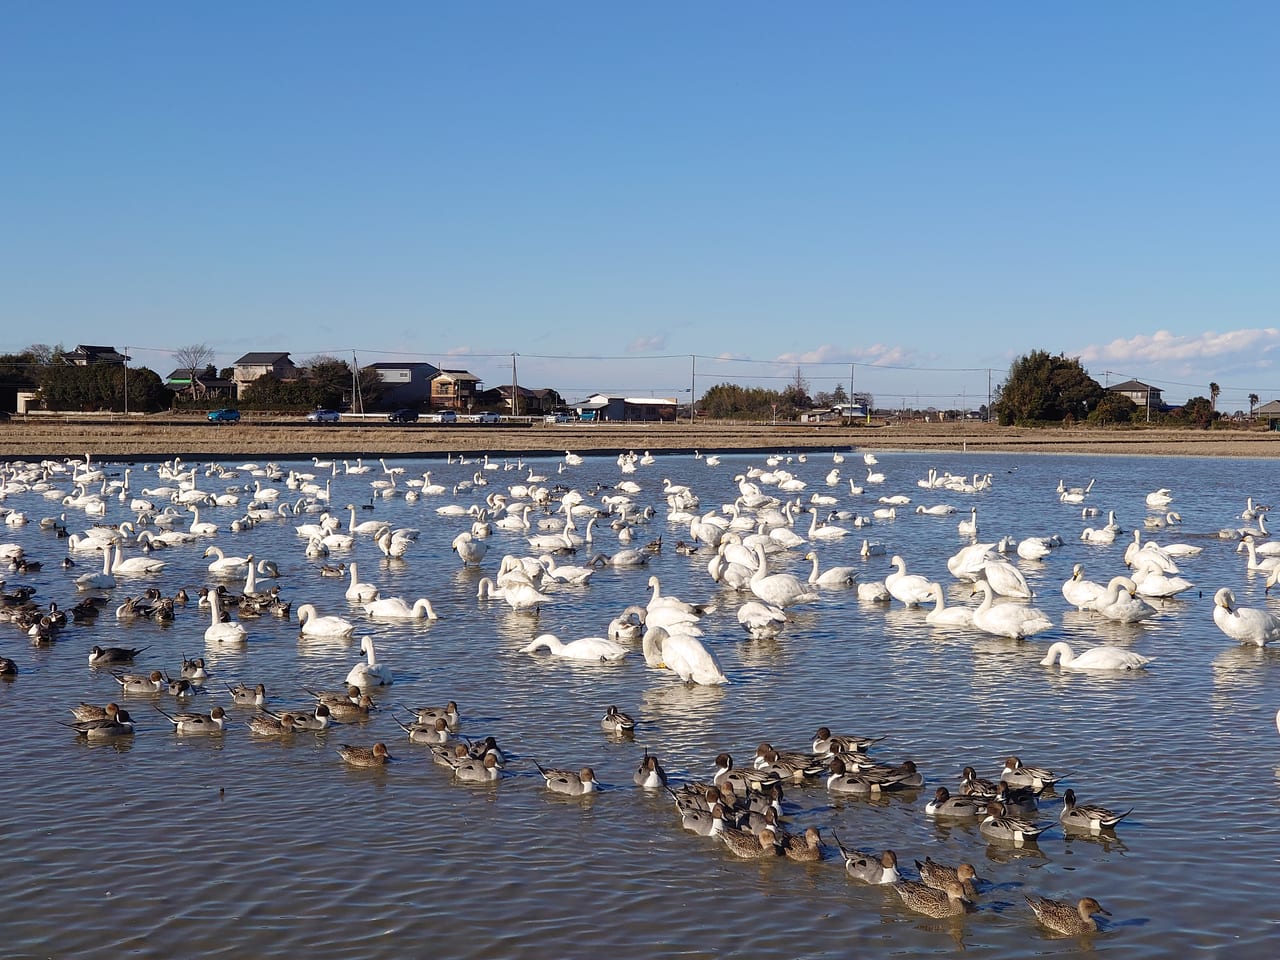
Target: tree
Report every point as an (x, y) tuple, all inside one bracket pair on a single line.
[(1113, 408), (1041, 387), (1199, 411), (1214, 390), (193, 358), (1253, 402), (838, 395)]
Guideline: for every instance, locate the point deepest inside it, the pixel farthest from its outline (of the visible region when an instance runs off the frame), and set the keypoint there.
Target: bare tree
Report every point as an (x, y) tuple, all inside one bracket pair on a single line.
[(194, 358)]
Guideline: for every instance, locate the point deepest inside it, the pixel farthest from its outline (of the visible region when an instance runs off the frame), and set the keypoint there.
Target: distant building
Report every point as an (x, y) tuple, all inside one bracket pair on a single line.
[(455, 390), (531, 402), (1270, 411), (204, 385), (604, 406), (254, 365), (405, 384), (84, 355), (1143, 395)]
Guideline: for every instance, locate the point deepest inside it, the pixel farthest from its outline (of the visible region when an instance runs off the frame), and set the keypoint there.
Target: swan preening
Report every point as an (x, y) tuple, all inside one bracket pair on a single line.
[(1245, 624), (597, 649), (683, 654)]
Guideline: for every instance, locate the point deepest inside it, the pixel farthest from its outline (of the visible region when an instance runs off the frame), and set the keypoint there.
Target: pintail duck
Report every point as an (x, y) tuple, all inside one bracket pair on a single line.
[(749, 846), (449, 754), (615, 721), (947, 902), (245, 696), (806, 848), (999, 825), (121, 725), (319, 719), (347, 711), (449, 713), (375, 756), (698, 820), (788, 763), (484, 748), (746, 779), (8, 668), (881, 869), (972, 785), (1065, 918), (906, 775), (193, 669), (1087, 816), (101, 656), (567, 781), (212, 722), (824, 741), (267, 725), (650, 774), (153, 682), (1020, 800), (472, 770), (956, 808), (437, 732), (349, 694), (937, 875), (91, 711), (182, 688), (866, 783), (1018, 774)]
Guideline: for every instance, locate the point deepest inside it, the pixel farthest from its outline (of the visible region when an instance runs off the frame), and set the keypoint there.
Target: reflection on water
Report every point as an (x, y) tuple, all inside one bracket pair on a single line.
[(203, 834)]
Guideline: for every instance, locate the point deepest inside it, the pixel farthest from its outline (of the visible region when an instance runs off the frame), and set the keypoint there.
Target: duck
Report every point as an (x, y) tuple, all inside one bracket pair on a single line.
[(937, 875), (214, 721), (615, 721), (1093, 659), (369, 673), (949, 901), (943, 805), (135, 683), (120, 725), (448, 713), (569, 782), (805, 848), (376, 756), (310, 624), (826, 742), (1011, 620), (1087, 817), (268, 725), (649, 775), (1246, 624), (1018, 774), (99, 656), (244, 695), (1000, 825), (483, 770), (435, 732), (750, 846), (1063, 917), (599, 649), (874, 870)]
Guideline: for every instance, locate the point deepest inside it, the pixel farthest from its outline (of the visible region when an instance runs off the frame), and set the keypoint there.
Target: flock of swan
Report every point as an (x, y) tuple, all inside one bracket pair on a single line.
[(745, 547)]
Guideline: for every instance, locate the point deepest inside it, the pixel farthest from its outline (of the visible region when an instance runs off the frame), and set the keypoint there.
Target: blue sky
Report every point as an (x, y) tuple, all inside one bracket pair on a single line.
[(654, 197)]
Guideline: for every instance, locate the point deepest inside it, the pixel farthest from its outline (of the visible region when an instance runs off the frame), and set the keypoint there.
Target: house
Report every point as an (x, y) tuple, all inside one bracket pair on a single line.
[(1143, 395), (206, 384), (604, 406), (405, 384), (254, 365), (84, 355), (529, 402), (1270, 411), (455, 390)]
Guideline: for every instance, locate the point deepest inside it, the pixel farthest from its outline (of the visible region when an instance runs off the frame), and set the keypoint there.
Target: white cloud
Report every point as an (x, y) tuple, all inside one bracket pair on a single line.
[(648, 344), (878, 353), (1163, 347)]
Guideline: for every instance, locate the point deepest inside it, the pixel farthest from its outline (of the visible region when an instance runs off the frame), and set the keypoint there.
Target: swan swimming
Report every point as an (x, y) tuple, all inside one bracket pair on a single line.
[(587, 648), (683, 654), (369, 673), (1011, 620), (1095, 658), (1245, 624)]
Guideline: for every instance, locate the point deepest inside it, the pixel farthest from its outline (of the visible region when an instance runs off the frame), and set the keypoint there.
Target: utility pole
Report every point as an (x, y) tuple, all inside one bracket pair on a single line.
[(126, 381), (357, 395), (988, 394), (515, 389), (693, 385)]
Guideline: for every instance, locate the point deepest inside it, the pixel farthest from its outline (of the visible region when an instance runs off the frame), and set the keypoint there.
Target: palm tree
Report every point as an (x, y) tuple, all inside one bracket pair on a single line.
[(1253, 402), (1214, 390)]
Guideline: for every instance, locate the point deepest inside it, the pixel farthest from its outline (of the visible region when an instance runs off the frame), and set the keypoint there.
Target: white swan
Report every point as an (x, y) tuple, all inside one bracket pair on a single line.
[(761, 620), (969, 528), (1011, 620), (1159, 498), (105, 580), (1264, 564), (519, 596), (1154, 582), (779, 589), (565, 573), (225, 566), (310, 624), (832, 576), (826, 531), (1095, 658), (1245, 624), (369, 673), (140, 566), (683, 654), (357, 591), (395, 608), (469, 550), (1006, 579), (908, 588), (587, 648), (219, 631), (1119, 602), (1081, 593), (943, 616)]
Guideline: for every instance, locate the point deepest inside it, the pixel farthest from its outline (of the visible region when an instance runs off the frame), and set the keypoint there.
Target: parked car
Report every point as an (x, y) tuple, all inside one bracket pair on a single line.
[(403, 415), (323, 416), (556, 418), (487, 417), (445, 416), (226, 415)]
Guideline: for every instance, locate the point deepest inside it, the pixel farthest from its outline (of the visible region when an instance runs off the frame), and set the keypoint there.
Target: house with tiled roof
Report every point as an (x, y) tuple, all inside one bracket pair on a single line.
[(254, 365), (84, 355), (1143, 395), (455, 390), (205, 384)]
